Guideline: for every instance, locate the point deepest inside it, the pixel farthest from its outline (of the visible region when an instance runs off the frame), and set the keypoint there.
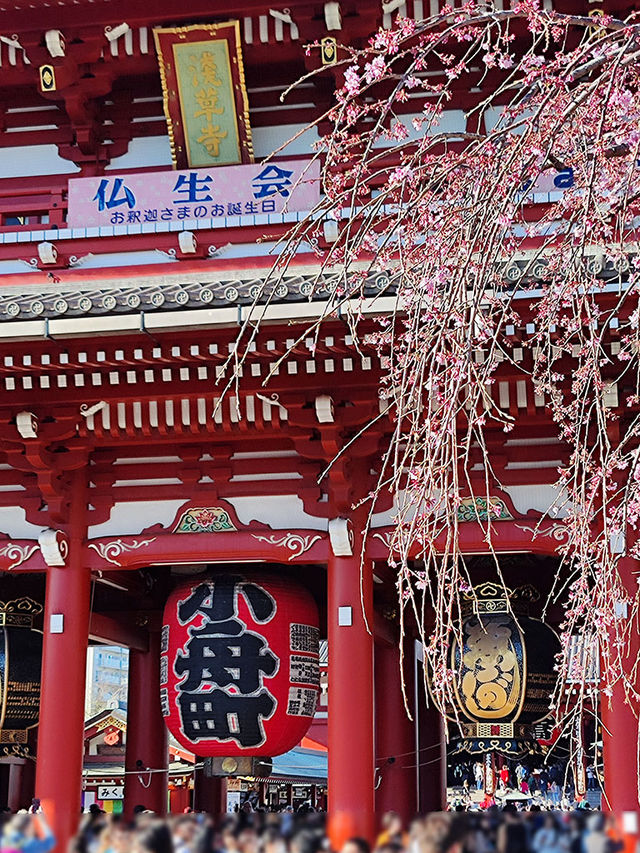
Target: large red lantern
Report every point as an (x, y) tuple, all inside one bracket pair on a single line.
[(239, 665)]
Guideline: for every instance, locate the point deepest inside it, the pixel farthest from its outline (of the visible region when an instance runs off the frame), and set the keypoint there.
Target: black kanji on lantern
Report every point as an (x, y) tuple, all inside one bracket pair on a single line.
[(221, 716), (218, 600), (222, 694)]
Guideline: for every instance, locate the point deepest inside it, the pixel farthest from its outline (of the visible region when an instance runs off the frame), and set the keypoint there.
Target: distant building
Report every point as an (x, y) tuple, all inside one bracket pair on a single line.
[(107, 679)]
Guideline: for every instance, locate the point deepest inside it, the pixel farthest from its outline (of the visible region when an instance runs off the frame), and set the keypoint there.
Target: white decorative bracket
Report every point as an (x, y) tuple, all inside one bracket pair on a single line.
[(324, 409), (54, 41), (54, 547), (187, 242), (47, 253), (332, 16), (621, 609), (284, 16), (114, 33), (27, 424), (341, 537), (268, 402), (88, 411), (330, 230), (12, 41), (610, 395), (618, 543)]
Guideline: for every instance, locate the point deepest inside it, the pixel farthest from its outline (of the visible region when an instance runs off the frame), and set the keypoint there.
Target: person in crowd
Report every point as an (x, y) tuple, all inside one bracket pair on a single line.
[(596, 839), (356, 845), (544, 782), (115, 837), (308, 840), (548, 838), (228, 838), (155, 837), (391, 830), (504, 775), (27, 833), (530, 828), (480, 838), (5, 815), (479, 774), (287, 821), (575, 834), (511, 836), (184, 831)]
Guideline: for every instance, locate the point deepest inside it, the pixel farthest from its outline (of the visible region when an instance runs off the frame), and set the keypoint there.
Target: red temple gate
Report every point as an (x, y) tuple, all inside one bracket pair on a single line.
[(124, 471)]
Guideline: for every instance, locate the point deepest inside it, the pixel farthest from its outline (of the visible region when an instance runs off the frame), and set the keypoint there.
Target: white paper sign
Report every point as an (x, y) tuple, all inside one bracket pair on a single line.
[(110, 792)]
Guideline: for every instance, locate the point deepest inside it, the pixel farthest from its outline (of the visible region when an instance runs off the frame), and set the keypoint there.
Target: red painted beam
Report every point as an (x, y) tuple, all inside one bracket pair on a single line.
[(105, 629), (246, 545), (508, 537)]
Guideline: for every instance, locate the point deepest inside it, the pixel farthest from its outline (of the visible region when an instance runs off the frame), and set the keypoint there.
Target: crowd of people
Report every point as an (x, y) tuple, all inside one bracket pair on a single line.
[(491, 831), (547, 786)]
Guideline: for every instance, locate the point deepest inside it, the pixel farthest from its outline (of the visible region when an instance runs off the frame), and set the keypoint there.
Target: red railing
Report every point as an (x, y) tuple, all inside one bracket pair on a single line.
[(28, 203)]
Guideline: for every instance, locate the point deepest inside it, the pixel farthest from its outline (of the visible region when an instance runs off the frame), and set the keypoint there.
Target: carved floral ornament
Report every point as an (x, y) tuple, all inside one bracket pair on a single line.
[(293, 542), (17, 554), (559, 531), (483, 509), (110, 551), (470, 509), (210, 520), (385, 537), (21, 605), (213, 519)]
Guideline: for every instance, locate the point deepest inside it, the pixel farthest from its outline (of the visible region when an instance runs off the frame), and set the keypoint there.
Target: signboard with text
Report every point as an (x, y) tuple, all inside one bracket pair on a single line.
[(110, 792), (169, 196), (204, 94)]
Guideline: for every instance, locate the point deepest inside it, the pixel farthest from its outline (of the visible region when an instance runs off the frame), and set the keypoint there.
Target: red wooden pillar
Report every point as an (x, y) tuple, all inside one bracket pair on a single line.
[(210, 793), (395, 735), (620, 736), (351, 737), (431, 742), (27, 783), (14, 788), (66, 633), (147, 738), (179, 799)]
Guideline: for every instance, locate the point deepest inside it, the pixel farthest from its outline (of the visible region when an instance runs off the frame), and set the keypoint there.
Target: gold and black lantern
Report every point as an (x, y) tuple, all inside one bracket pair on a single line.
[(504, 671), (20, 663), (329, 50)]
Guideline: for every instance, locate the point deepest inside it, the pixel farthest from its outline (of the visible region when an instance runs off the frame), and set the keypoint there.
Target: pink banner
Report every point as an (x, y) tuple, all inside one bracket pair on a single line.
[(170, 196)]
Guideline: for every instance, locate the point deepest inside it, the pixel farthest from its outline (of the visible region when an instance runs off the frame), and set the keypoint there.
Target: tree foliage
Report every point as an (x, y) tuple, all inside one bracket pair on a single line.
[(518, 226)]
